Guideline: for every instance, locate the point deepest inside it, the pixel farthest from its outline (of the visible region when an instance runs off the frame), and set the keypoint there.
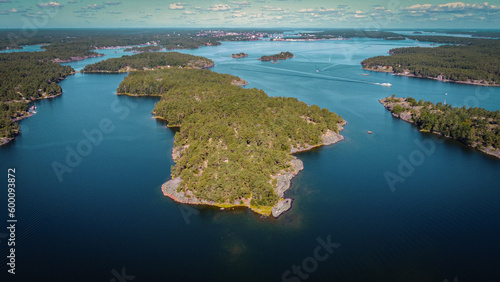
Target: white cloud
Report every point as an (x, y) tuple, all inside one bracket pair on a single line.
[(271, 8), (319, 12), (239, 14), (188, 13), (112, 3), (219, 7), (93, 7), (51, 4), (452, 7), (241, 3), (176, 6)]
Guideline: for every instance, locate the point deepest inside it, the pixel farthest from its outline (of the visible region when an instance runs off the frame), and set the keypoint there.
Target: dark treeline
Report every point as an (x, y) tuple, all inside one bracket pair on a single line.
[(450, 39), (25, 77), (150, 48), (149, 61), (275, 57), (475, 127), (231, 140), (83, 40), (479, 62), (9, 112), (351, 33)]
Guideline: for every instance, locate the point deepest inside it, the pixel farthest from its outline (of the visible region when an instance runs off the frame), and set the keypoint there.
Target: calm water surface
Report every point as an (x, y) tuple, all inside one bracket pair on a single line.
[(105, 213)]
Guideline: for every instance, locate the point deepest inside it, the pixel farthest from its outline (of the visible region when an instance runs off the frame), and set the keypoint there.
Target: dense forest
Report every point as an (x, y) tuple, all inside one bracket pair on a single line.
[(475, 127), (275, 57), (351, 33), (231, 140), (450, 39), (477, 63), (140, 49), (88, 39), (149, 61), (25, 77)]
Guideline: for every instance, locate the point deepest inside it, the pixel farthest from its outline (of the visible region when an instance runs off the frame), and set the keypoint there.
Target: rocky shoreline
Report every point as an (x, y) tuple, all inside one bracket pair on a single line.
[(407, 117), (389, 70), (284, 179)]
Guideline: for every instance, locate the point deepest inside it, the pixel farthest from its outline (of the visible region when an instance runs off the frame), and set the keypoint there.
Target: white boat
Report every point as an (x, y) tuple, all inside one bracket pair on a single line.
[(386, 84)]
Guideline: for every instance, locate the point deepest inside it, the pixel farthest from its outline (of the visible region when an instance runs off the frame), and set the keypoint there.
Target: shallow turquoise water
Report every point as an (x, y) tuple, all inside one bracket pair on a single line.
[(108, 211)]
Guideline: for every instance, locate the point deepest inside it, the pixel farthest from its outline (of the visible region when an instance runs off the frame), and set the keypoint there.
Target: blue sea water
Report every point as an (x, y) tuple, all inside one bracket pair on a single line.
[(105, 215)]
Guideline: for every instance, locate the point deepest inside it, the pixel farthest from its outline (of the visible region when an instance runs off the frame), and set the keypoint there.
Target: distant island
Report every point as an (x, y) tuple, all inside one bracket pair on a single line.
[(476, 63), (275, 57), (474, 127), (235, 145), (141, 49), (149, 61), (239, 55)]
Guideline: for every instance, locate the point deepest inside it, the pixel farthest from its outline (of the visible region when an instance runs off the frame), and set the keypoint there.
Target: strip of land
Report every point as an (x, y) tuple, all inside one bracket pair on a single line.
[(474, 127), (477, 63)]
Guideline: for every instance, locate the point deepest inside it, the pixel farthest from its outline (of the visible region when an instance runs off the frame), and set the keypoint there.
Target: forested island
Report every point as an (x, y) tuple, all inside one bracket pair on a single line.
[(275, 57), (141, 49), (235, 145), (474, 127), (476, 63), (239, 55), (149, 61)]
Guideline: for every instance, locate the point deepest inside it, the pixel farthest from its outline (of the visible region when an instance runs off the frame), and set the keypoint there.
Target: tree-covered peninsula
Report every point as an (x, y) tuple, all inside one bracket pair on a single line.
[(25, 77), (275, 57), (477, 63), (235, 145), (149, 61), (475, 127)]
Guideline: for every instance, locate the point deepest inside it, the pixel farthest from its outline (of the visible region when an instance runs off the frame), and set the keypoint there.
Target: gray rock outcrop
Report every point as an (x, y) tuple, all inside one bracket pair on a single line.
[(281, 207)]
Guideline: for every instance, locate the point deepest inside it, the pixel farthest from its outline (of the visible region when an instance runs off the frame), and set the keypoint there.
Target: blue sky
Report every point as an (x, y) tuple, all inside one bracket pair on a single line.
[(373, 14)]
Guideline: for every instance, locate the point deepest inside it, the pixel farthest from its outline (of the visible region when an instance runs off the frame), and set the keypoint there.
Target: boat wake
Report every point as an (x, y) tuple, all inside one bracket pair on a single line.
[(384, 84)]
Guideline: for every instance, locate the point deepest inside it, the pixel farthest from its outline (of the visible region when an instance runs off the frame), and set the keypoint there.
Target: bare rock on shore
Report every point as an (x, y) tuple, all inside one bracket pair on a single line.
[(285, 177), (331, 137), (169, 189), (281, 207)]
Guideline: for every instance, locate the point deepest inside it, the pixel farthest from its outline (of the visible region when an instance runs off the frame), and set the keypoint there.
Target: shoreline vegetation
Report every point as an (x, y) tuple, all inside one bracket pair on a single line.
[(475, 63), (276, 57), (474, 127), (141, 49), (234, 146), (149, 61), (25, 78)]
